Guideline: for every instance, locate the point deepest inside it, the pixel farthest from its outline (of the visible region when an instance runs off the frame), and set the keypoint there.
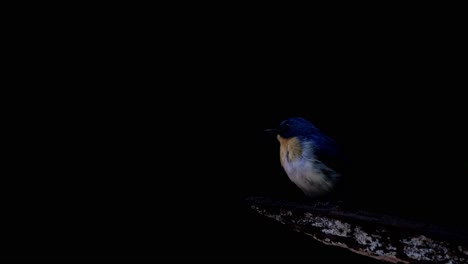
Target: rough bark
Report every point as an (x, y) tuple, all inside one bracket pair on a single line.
[(387, 238)]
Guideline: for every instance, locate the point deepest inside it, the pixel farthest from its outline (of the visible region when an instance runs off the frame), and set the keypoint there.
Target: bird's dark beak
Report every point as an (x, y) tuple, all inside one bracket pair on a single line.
[(271, 130)]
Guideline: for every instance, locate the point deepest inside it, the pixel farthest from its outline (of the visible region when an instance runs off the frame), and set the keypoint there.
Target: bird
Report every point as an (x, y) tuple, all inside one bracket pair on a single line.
[(312, 160)]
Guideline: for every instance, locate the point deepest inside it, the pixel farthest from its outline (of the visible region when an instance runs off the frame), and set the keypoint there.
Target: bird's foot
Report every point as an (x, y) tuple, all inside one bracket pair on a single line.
[(323, 204), (330, 204)]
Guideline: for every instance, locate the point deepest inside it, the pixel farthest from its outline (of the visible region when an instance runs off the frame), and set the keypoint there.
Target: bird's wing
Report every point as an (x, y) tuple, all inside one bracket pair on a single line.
[(329, 153)]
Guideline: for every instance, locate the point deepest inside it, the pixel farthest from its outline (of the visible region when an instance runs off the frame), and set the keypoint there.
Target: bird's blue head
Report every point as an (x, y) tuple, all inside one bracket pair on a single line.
[(295, 126)]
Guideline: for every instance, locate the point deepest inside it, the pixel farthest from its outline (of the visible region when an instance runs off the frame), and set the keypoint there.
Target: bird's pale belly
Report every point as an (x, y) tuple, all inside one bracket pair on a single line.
[(302, 169), (307, 177)]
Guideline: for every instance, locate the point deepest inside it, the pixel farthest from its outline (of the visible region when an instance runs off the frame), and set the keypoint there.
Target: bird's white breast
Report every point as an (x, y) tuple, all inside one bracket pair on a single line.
[(302, 168)]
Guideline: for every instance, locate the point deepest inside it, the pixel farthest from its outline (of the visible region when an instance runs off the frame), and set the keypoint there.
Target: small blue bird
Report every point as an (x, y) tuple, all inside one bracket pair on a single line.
[(311, 159)]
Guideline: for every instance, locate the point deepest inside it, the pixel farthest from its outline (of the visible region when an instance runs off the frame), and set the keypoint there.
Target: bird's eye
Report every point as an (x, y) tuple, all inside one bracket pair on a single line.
[(285, 123), (284, 126)]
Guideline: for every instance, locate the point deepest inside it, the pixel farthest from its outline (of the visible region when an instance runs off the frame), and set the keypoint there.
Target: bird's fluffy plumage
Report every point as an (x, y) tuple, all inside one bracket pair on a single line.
[(310, 158)]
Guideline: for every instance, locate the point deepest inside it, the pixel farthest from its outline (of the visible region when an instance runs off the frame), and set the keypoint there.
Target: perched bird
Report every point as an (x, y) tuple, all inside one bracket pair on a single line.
[(311, 159)]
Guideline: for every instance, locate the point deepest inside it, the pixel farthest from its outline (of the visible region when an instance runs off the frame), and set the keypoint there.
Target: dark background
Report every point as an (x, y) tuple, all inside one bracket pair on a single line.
[(142, 143)]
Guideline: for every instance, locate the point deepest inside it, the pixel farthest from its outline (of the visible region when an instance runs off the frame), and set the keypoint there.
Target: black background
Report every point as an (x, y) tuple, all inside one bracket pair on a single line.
[(143, 142)]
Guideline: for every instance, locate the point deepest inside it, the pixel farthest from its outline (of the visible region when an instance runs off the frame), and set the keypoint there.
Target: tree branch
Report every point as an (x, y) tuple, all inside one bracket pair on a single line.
[(383, 237)]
